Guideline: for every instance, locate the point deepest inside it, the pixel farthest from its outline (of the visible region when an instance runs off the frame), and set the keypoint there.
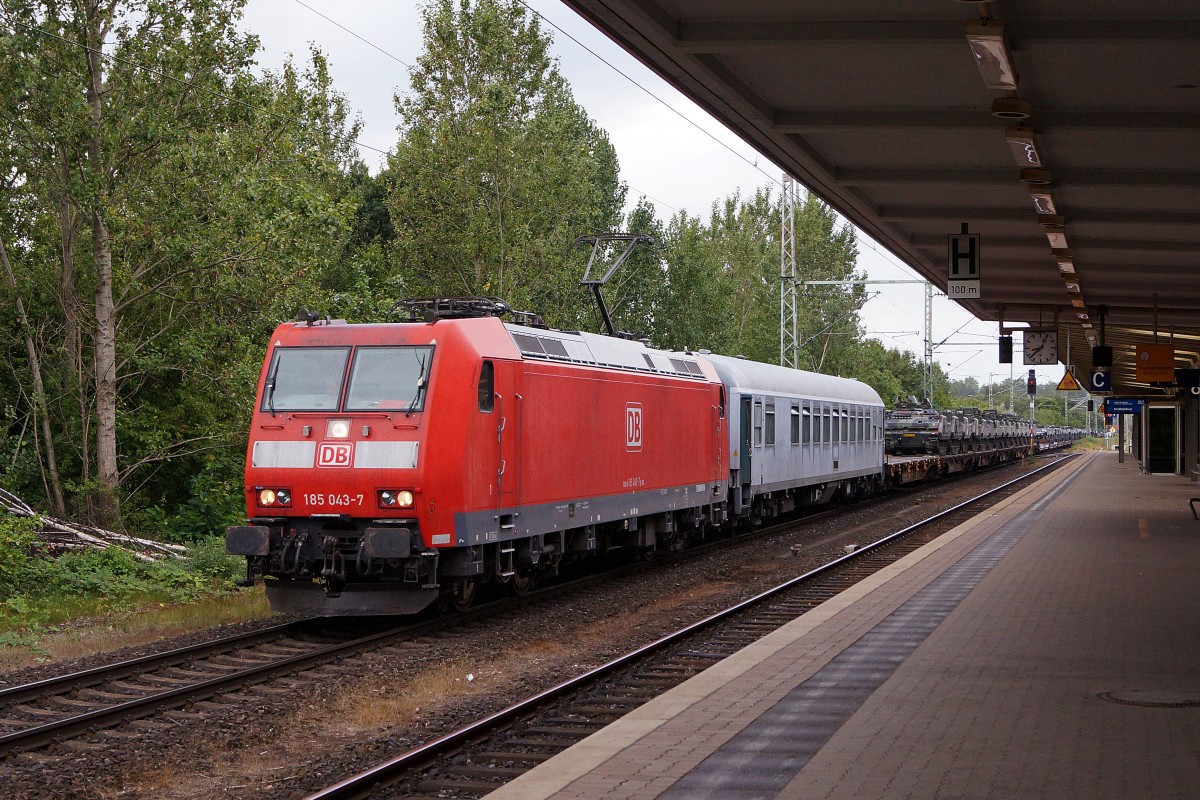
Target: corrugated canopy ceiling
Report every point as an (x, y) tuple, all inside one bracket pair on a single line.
[(882, 109)]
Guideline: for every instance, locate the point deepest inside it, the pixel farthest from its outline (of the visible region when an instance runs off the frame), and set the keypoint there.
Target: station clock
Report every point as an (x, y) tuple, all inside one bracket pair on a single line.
[(1041, 347)]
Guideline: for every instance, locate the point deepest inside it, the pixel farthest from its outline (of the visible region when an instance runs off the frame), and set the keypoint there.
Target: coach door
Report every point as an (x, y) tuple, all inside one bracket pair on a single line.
[(509, 432), (719, 434), (747, 431)]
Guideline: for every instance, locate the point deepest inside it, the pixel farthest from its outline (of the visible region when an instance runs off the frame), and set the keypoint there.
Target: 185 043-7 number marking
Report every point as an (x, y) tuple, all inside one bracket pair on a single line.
[(333, 499)]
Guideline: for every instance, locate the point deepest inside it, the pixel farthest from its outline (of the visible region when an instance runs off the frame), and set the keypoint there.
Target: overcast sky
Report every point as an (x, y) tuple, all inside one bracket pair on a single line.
[(670, 151)]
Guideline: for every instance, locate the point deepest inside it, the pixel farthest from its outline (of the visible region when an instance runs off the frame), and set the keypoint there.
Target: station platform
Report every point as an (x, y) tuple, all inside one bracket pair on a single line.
[(1047, 648)]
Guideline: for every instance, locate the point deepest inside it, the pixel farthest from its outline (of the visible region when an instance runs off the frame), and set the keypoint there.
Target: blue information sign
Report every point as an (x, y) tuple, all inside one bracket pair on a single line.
[(1123, 405), (1100, 381)]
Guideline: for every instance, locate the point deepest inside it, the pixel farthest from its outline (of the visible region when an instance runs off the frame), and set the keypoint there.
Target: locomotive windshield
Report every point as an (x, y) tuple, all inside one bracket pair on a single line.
[(305, 379), (389, 378)]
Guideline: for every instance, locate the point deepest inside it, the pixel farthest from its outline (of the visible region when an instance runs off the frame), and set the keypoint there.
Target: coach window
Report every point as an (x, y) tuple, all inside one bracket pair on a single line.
[(771, 424), (808, 436), (845, 426), (825, 425), (487, 387), (795, 424), (758, 424)]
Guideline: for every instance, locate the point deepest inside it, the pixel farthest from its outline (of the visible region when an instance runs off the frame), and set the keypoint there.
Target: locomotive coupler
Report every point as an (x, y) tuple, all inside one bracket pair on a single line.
[(335, 566)]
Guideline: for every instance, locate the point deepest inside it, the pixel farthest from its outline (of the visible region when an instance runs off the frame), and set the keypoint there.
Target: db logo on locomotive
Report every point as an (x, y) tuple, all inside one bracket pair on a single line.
[(335, 454), (633, 427)]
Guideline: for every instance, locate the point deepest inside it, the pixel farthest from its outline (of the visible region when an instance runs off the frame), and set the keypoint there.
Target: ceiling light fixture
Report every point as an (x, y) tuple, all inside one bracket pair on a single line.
[(986, 38), (1056, 231), (1066, 263), (1035, 176), (1078, 303), (1072, 287), (1024, 146), (1043, 200), (1011, 108)]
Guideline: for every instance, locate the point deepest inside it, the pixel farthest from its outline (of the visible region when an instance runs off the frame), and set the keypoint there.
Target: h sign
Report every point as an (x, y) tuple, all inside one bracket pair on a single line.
[(633, 427), (963, 255)]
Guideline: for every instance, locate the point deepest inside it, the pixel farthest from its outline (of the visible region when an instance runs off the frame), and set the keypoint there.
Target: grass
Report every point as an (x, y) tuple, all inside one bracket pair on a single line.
[(55, 607), (135, 625)]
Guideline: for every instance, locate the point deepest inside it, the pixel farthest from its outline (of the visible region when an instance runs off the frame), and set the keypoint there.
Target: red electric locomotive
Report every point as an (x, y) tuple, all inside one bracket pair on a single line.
[(393, 464)]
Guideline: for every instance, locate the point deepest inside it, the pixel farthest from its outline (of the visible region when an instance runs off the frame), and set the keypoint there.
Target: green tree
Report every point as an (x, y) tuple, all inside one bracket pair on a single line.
[(723, 282), (497, 169), (167, 208)]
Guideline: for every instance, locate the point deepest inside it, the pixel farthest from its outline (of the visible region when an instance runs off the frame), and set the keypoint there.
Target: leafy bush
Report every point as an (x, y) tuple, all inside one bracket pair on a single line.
[(209, 559), (38, 591), (18, 551), (215, 500)]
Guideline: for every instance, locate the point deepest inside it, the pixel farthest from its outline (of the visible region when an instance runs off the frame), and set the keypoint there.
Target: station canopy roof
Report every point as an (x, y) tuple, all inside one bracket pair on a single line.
[(1066, 133)]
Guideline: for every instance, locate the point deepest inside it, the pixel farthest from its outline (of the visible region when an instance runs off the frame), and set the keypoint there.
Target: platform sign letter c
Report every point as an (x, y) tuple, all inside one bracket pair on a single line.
[(633, 427)]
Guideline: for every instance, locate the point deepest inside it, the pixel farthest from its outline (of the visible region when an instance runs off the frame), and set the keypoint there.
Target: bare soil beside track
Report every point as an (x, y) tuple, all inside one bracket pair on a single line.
[(290, 737)]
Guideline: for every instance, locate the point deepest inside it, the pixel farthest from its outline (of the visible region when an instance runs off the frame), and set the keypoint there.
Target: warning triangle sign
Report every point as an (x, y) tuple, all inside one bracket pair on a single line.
[(1068, 383)]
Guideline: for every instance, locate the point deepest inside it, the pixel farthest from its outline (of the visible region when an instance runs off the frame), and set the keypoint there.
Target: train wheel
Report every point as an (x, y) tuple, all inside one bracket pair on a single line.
[(464, 595), (521, 584)]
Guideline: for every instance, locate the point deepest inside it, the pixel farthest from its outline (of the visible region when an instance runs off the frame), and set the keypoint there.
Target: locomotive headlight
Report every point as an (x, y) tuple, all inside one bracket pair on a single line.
[(274, 498), (395, 498), (337, 429)]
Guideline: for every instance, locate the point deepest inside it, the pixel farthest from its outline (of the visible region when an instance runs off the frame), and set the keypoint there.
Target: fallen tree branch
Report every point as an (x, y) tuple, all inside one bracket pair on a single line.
[(70, 536)]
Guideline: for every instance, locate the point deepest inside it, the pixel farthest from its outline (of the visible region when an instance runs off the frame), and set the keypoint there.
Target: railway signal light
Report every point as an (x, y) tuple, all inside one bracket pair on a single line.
[(1031, 383), (1005, 349)]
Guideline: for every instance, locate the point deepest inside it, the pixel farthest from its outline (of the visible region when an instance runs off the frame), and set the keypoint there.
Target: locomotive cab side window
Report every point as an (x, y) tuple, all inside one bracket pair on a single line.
[(305, 379), (487, 387), (389, 379)]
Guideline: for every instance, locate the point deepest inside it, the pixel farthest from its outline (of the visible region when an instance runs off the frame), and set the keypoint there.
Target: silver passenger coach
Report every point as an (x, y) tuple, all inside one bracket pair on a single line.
[(798, 438)]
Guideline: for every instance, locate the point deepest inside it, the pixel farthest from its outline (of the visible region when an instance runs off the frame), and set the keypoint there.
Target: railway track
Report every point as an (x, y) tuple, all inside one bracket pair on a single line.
[(36, 714), (484, 755), (57, 709)]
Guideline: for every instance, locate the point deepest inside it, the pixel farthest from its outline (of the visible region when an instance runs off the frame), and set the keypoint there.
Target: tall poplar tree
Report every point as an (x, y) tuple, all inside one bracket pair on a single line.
[(497, 169)]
